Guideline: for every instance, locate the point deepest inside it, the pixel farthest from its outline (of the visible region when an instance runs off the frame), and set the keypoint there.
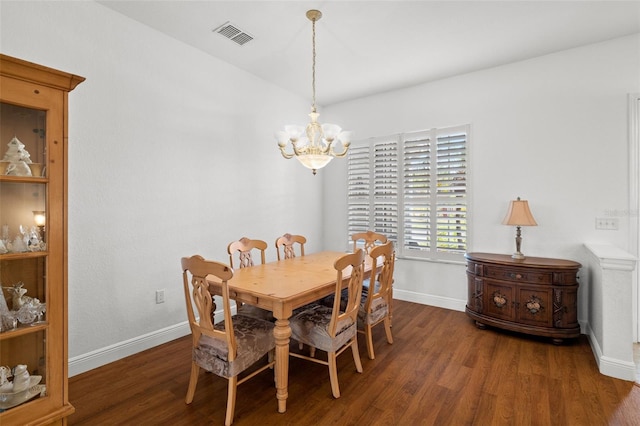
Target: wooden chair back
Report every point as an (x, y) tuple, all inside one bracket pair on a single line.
[(384, 258), (243, 248), (371, 239), (353, 264), (377, 304), (287, 243), (195, 272)]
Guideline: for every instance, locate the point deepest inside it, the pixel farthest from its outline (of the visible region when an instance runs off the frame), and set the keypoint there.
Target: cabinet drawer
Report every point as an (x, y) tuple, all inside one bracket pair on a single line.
[(518, 275)]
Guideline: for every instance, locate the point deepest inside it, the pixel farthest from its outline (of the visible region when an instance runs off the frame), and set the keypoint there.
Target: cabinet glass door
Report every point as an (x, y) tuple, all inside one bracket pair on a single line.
[(23, 255)]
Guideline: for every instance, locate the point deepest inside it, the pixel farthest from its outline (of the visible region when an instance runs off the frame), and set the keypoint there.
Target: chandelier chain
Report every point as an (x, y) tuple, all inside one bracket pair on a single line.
[(313, 66)]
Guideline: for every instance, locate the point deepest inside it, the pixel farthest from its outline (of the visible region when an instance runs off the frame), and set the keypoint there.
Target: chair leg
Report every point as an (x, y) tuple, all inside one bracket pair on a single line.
[(193, 381), (231, 400), (356, 354), (369, 335), (387, 328), (333, 374)]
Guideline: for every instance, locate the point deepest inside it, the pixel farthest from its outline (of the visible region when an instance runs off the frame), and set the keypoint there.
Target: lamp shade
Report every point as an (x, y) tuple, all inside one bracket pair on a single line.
[(519, 214)]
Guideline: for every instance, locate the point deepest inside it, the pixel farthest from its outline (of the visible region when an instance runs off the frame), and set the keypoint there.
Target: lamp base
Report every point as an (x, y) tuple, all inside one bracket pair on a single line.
[(517, 255)]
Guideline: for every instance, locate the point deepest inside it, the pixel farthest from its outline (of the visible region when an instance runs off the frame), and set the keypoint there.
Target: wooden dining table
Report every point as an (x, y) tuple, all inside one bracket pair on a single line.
[(281, 287)]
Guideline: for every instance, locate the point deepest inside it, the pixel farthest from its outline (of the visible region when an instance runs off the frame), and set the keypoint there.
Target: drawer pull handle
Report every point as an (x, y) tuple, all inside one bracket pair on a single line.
[(516, 276)]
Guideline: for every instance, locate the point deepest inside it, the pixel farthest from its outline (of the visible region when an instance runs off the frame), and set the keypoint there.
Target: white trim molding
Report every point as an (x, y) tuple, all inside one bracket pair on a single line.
[(634, 202)]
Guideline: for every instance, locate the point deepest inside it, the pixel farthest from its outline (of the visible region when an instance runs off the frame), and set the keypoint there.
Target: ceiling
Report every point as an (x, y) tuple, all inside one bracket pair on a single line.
[(367, 47)]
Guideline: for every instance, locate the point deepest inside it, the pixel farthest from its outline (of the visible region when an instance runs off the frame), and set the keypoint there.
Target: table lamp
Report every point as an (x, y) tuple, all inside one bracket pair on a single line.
[(519, 215)]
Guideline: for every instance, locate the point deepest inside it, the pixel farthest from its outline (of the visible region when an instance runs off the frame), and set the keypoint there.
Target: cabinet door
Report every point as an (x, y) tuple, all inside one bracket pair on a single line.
[(535, 306), (499, 300), (475, 293), (31, 247), (565, 309)]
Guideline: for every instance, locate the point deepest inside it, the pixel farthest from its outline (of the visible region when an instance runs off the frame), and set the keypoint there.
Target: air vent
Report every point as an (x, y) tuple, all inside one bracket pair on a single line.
[(233, 33)]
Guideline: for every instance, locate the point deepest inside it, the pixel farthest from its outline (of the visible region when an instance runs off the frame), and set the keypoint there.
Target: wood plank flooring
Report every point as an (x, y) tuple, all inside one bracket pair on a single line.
[(441, 370)]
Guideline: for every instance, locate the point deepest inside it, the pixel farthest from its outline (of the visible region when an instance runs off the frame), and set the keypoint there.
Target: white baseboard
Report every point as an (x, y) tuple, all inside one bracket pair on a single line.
[(103, 356), (610, 366), (427, 299)]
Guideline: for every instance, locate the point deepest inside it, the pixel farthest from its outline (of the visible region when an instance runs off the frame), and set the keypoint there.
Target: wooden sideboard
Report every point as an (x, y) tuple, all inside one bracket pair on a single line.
[(534, 295)]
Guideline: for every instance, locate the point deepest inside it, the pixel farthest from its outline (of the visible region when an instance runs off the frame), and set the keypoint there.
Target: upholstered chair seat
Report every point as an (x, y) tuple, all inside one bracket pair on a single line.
[(311, 327), (254, 338)]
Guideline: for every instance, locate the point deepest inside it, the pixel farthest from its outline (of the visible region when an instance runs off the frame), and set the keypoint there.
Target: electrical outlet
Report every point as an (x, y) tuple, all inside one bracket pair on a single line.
[(160, 296), (608, 223)]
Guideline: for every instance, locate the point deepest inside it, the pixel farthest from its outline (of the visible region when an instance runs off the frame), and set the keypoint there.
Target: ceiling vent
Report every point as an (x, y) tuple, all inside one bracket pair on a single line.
[(233, 33)]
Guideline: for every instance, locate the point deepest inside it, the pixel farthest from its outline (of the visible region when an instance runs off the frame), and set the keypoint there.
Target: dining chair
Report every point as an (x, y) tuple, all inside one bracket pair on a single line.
[(369, 240), (243, 249), (366, 240), (331, 329), (375, 304), (287, 243), (226, 348)]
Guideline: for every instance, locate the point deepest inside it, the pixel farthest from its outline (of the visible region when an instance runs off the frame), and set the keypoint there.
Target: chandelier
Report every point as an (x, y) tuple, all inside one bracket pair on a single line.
[(313, 145)]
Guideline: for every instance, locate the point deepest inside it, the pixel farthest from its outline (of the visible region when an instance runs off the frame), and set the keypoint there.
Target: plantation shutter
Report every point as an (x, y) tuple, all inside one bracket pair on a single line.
[(417, 193), (451, 200), (358, 189), (385, 187)]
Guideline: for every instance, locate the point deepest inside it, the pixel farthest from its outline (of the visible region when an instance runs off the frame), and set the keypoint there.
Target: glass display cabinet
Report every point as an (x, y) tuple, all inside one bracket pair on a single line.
[(33, 243)]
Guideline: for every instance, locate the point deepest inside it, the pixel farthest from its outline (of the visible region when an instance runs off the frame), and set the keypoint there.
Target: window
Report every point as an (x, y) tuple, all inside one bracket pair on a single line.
[(412, 187)]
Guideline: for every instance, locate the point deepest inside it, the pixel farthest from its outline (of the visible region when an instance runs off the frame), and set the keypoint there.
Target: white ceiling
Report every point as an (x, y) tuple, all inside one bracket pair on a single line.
[(366, 47)]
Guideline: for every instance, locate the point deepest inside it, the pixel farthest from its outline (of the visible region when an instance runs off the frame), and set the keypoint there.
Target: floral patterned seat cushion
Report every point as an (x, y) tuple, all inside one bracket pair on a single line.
[(311, 327), (254, 338), (379, 309)]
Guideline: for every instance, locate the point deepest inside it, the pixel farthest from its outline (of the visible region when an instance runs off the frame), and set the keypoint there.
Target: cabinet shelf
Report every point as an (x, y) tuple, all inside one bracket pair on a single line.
[(23, 255), (23, 330), (23, 179)]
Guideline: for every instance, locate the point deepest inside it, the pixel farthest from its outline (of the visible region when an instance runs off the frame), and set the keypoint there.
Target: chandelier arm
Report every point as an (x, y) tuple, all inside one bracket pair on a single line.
[(345, 146), (285, 154), (299, 151), (328, 150)]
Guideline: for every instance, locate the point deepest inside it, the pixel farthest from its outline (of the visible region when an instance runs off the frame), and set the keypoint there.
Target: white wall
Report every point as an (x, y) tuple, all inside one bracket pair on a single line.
[(171, 153), (552, 130)]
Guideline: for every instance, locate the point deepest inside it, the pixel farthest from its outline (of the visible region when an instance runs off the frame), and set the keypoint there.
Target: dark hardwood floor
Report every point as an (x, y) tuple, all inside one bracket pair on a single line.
[(440, 370)]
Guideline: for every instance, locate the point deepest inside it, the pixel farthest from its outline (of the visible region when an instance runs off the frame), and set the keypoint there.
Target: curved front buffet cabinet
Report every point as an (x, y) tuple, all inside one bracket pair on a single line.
[(534, 295), (33, 235)]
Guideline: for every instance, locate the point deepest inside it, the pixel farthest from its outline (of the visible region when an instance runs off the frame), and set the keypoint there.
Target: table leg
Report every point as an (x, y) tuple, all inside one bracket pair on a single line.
[(282, 332)]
